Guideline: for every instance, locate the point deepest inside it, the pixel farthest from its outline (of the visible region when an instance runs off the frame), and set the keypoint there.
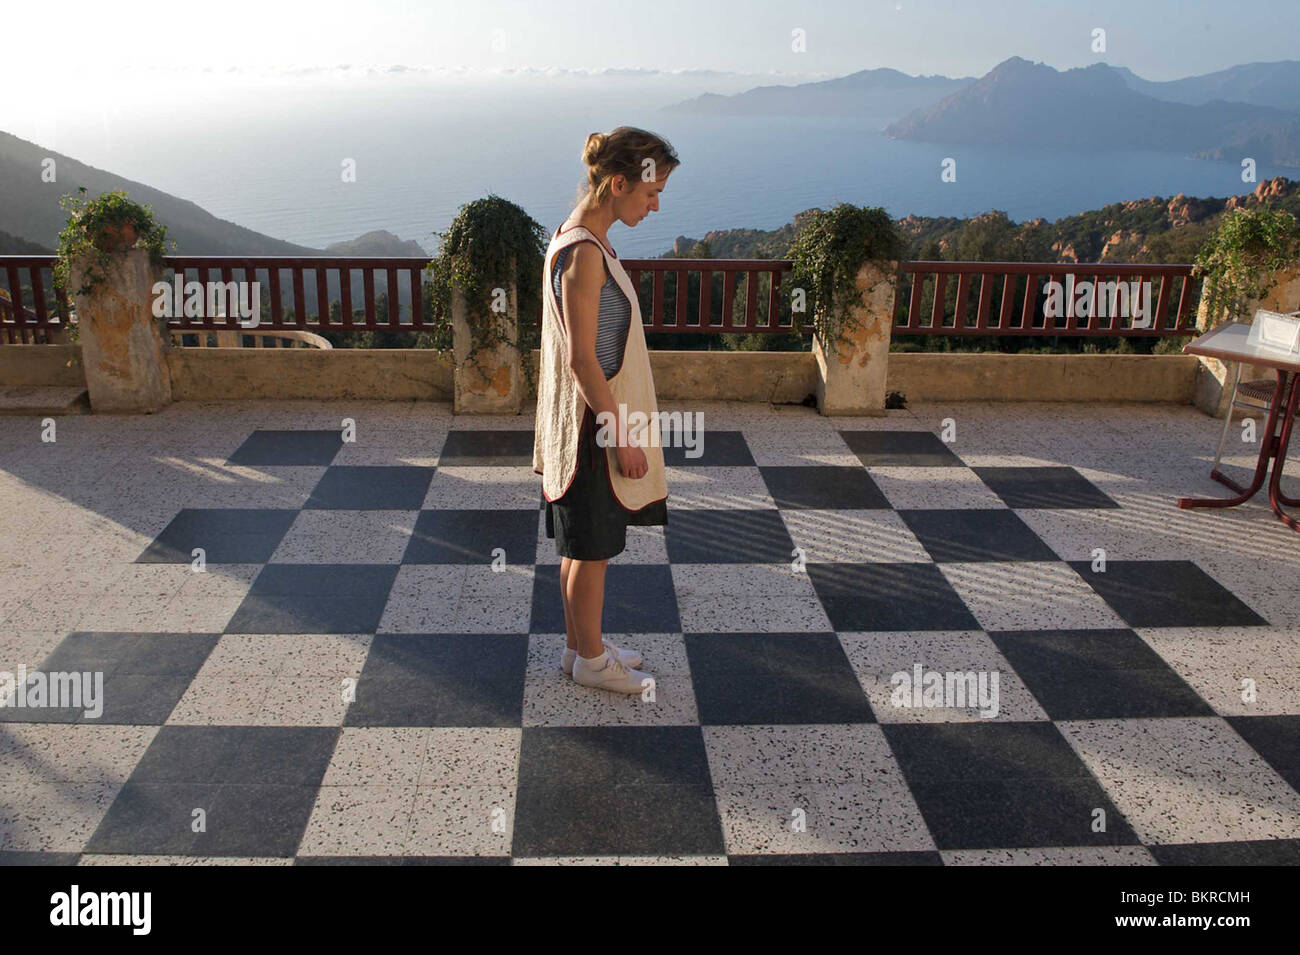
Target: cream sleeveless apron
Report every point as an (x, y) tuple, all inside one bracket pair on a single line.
[(560, 405)]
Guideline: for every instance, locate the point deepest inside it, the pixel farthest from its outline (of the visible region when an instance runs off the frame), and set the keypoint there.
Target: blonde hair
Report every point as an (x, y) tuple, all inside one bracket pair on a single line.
[(622, 151)]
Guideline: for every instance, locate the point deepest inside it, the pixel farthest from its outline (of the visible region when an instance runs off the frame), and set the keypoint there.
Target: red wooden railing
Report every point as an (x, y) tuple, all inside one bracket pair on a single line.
[(1019, 310), (701, 317), (38, 323), (988, 298)]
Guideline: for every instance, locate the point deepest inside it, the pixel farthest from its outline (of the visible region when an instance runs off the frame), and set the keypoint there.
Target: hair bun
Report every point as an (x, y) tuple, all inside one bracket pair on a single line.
[(591, 152)]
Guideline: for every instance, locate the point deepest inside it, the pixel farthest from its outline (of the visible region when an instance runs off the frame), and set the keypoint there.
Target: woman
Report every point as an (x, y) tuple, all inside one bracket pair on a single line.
[(598, 480)]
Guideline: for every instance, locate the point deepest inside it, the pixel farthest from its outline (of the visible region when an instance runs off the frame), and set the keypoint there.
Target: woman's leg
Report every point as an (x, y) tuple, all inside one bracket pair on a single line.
[(584, 599), (571, 632)]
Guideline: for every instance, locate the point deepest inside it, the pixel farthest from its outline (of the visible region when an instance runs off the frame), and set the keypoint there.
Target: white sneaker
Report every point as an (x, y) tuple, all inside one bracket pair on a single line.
[(612, 676), (629, 658)]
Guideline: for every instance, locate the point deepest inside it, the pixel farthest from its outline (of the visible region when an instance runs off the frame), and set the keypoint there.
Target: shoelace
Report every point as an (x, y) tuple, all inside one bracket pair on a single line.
[(615, 662)]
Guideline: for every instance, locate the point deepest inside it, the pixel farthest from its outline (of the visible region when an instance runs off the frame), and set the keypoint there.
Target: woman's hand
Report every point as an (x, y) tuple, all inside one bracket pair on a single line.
[(631, 461)]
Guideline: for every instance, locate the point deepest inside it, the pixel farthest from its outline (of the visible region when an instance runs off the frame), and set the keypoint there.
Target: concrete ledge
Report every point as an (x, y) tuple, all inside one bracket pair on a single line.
[(31, 401), (945, 376), (403, 374), (397, 374), (42, 366)]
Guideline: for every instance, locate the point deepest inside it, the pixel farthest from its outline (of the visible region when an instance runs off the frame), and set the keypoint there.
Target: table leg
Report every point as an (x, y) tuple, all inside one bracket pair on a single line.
[(1275, 496), (1261, 467)]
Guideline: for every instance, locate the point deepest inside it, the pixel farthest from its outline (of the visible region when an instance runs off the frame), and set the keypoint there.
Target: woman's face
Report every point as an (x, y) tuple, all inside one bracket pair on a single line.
[(639, 198)]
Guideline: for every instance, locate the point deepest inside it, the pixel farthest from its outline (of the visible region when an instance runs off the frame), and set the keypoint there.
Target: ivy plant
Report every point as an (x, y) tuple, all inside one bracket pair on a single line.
[(474, 255), (828, 251), (98, 227), (1240, 260)]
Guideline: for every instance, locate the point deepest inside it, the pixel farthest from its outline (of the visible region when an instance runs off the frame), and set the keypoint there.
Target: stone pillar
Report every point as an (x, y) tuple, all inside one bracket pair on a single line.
[(491, 382), (851, 379), (122, 348), (1214, 377)]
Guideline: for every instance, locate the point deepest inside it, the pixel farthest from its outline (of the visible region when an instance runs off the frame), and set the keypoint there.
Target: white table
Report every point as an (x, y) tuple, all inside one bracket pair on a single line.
[(1228, 343)]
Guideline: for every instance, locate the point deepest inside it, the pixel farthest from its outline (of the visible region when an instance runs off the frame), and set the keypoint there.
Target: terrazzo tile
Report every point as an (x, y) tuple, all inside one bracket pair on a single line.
[(885, 665), (1029, 596)]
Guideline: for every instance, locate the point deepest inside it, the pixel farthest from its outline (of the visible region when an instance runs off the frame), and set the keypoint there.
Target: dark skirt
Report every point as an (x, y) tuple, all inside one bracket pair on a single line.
[(587, 521)]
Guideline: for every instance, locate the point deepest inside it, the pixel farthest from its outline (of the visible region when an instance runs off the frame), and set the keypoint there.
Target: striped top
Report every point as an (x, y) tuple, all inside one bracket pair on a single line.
[(615, 317)]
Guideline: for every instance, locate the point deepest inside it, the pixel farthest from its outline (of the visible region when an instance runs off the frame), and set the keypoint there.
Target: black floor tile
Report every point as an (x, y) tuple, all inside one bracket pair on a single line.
[(288, 448), (967, 752), (991, 814), (1277, 739), (958, 536), (116, 678), (315, 598), (762, 678), (470, 537), (371, 488), (256, 786), (402, 860), (720, 449), (469, 448), (228, 535), (1098, 674), (728, 536), (894, 596), (1045, 487), (237, 755), (1010, 785), (444, 679), (621, 790), (841, 858), (639, 598), (823, 487), (1166, 593), (914, 449), (1261, 852)]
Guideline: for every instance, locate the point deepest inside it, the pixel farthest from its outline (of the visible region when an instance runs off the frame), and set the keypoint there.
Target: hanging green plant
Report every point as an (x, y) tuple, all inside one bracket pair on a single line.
[(1240, 260), (475, 254), (99, 227), (828, 251)]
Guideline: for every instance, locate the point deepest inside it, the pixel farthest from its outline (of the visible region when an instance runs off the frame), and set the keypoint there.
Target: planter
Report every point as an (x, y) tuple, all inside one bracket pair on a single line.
[(116, 237)]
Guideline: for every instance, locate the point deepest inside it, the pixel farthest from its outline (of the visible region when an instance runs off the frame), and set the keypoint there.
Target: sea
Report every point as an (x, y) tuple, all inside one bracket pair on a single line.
[(273, 155)]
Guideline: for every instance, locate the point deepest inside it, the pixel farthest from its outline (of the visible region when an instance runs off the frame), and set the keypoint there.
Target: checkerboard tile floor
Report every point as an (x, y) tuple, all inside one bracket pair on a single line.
[(325, 651)]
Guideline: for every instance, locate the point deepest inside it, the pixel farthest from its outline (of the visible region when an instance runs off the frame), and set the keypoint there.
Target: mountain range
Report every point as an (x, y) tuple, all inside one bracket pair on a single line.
[(31, 218), (1251, 110)]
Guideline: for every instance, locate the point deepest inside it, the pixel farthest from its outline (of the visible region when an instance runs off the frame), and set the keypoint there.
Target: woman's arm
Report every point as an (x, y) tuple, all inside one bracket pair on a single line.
[(580, 285)]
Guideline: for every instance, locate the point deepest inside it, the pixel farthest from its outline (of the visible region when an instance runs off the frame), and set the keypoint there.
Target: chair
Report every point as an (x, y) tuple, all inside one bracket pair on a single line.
[(1258, 393)]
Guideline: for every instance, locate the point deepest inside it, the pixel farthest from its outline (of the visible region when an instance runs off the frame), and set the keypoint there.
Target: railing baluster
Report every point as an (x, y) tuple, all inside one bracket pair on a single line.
[(986, 296), (394, 300), (963, 292), (322, 297), (657, 302), (683, 289), (706, 298), (299, 298), (1031, 295), (277, 311), (751, 300), (774, 299), (345, 295), (368, 281), (940, 289), (417, 298)]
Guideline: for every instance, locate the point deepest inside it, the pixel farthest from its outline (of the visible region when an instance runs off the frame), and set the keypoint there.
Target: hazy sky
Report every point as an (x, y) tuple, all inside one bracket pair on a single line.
[(1157, 39)]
